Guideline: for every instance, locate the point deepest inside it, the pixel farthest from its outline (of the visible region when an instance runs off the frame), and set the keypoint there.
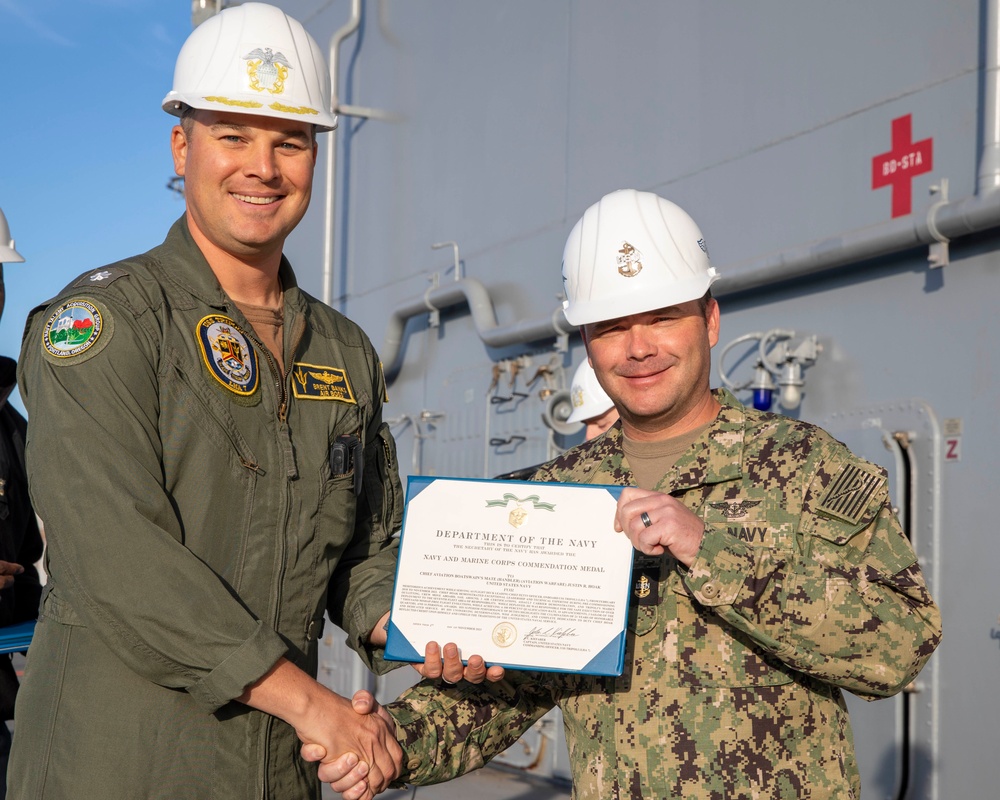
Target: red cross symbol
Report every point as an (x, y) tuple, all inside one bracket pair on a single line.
[(899, 166)]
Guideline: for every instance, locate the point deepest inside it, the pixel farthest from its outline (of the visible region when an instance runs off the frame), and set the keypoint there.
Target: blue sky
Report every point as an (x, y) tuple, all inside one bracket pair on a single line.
[(84, 158)]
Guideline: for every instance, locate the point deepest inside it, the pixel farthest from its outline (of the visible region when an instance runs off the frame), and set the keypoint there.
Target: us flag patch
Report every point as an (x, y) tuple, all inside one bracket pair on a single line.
[(850, 492)]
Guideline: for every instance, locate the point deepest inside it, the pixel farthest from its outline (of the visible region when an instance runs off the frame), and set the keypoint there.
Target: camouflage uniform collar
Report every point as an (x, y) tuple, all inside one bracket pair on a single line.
[(717, 456)]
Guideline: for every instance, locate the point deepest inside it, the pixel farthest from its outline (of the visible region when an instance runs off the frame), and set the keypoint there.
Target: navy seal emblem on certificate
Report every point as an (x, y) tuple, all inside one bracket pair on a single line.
[(528, 575), (228, 354)]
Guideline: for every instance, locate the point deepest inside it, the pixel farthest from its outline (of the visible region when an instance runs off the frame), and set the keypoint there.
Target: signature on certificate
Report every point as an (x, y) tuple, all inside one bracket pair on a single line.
[(550, 633)]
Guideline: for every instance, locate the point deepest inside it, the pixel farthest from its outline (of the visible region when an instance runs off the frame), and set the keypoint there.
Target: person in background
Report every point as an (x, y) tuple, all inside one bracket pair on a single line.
[(20, 540), (591, 404), (770, 571), (209, 458)]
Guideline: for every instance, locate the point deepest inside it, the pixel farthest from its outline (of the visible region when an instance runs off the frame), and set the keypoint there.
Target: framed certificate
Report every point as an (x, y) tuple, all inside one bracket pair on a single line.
[(528, 575)]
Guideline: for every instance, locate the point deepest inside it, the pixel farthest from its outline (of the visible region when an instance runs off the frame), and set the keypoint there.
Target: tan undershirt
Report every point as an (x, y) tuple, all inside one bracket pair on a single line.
[(269, 325), (650, 461)]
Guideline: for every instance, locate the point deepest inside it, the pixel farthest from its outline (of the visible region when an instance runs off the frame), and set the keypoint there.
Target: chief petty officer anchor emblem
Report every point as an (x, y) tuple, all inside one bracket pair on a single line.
[(228, 354)]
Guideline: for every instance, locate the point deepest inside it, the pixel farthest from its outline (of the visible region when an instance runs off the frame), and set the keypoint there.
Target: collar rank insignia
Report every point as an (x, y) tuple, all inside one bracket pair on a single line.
[(228, 354), (735, 510), (629, 261), (646, 580), (312, 382)]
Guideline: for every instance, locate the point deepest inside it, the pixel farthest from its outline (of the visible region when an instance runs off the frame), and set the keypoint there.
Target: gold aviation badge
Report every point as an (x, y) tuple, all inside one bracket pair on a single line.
[(312, 382)]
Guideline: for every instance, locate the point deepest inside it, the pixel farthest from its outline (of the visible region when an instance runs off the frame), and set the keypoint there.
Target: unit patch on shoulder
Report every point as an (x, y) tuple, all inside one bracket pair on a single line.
[(849, 492), (102, 277), (312, 382), (74, 328), (228, 354)]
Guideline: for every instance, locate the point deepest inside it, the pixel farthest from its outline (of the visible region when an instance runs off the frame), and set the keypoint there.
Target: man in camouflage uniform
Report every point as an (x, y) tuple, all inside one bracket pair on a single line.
[(770, 570)]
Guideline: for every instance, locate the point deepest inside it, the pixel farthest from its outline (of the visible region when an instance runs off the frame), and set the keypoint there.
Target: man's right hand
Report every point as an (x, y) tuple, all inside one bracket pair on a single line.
[(349, 775), (366, 736), (325, 722)]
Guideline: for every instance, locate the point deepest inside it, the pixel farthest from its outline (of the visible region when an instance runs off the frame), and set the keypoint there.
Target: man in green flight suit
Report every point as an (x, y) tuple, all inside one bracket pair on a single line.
[(770, 570), (206, 448)]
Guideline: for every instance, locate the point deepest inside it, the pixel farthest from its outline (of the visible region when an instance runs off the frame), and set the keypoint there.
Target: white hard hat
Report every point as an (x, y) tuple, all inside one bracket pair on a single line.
[(633, 252), (8, 255), (588, 396), (253, 59)]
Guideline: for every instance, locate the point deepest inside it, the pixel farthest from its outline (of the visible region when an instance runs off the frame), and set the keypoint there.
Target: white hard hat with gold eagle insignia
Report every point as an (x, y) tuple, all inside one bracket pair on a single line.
[(253, 59)]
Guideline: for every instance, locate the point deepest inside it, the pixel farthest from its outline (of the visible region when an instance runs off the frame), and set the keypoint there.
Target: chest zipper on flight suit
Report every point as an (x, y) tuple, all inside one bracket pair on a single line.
[(291, 473)]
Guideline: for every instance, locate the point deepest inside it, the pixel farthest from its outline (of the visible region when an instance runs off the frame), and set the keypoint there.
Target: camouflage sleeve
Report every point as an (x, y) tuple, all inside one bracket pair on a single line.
[(848, 606), (446, 731)]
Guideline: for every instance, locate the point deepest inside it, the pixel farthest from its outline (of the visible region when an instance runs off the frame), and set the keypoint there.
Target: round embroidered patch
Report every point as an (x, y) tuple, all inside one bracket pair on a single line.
[(72, 329), (228, 354)]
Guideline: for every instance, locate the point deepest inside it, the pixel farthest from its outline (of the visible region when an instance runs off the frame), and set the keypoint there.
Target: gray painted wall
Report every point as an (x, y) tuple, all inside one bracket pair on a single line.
[(761, 119)]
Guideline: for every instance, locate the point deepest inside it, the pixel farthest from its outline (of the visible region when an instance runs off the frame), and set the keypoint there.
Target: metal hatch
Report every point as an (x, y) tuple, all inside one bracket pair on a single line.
[(896, 738)]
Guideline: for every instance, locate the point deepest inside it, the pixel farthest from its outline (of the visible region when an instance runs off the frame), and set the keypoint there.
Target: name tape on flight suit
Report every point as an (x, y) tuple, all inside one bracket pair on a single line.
[(313, 382)]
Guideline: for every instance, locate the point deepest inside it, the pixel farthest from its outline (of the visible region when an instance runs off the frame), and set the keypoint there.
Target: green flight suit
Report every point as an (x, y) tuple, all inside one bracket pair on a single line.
[(195, 530), (804, 585)]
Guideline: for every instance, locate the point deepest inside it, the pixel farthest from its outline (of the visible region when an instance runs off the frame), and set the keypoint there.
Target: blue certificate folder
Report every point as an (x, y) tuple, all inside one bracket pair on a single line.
[(606, 660), (14, 638)]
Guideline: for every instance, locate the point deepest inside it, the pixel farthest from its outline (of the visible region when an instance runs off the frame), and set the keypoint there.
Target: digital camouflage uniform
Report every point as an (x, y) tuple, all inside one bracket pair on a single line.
[(195, 531), (804, 585)]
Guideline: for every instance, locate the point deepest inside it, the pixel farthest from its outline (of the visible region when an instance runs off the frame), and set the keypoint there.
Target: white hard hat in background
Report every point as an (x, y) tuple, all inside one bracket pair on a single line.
[(633, 252), (253, 59), (587, 395), (8, 255)]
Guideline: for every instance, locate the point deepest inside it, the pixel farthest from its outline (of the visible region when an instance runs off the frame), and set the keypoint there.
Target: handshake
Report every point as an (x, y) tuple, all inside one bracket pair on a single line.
[(373, 765), (354, 741)]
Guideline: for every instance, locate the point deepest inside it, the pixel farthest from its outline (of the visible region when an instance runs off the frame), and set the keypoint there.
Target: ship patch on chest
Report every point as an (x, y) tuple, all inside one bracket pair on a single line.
[(228, 354)]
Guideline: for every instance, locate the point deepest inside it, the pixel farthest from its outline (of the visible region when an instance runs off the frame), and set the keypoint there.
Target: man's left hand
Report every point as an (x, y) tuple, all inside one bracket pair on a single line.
[(656, 523)]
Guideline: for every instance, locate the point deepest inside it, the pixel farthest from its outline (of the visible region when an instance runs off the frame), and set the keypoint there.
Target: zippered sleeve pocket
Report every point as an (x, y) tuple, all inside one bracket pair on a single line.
[(382, 489)]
